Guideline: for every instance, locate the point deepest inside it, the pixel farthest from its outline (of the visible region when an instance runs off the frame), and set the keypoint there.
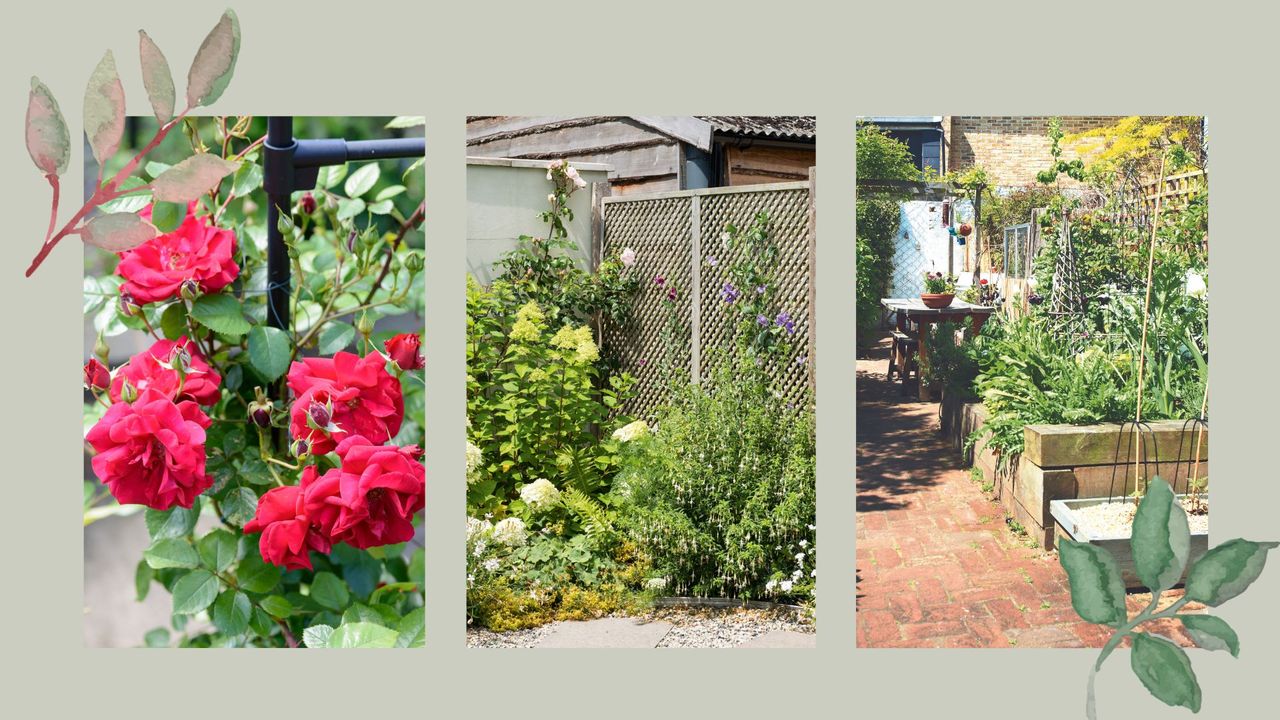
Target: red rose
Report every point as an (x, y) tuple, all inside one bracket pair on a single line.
[(405, 351), (381, 487), (288, 534), (197, 251), (356, 395), (96, 375), (151, 452), (154, 368)]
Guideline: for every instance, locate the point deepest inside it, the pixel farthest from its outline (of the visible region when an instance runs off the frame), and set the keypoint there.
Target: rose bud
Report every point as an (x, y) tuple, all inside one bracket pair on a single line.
[(405, 351), (413, 262), (260, 413), (96, 375), (128, 392), (127, 305), (364, 325), (190, 290), (300, 448), (319, 414), (351, 241), (307, 204)]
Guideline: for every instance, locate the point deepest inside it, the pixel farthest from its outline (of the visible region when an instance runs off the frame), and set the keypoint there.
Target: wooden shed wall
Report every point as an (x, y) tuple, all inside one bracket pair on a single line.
[(643, 160), (754, 164)]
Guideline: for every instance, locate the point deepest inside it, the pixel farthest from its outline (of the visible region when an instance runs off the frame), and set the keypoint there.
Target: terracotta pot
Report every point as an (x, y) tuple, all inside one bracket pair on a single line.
[(937, 301)]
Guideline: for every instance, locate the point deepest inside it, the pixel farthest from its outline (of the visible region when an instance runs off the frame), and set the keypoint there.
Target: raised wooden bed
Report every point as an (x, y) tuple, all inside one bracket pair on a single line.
[(1069, 462), (1067, 525)]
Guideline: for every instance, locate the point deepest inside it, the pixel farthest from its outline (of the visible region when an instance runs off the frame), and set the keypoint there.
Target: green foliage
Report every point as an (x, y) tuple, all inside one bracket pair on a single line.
[(879, 157), (722, 495), (1160, 546)]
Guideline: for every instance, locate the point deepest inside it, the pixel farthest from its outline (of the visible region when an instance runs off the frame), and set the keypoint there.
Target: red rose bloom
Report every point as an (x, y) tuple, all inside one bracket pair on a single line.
[(288, 534), (380, 489), (196, 251), (153, 369), (405, 351), (357, 396), (151, 452), (96, 375)]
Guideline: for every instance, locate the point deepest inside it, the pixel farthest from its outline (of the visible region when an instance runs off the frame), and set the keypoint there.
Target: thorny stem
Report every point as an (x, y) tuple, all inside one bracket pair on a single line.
[(414, 220), (103, 193)]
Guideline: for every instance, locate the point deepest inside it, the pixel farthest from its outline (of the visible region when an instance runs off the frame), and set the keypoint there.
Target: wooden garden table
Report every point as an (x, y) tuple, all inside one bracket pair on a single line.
[(914, 309)]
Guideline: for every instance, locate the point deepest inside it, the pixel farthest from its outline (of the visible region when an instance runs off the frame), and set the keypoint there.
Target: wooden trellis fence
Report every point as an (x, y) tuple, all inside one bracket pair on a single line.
[(676, 235)]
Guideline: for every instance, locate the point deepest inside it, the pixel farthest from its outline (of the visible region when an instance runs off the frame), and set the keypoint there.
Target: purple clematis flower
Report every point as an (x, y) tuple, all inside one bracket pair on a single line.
[(784, 321), (730, 294)]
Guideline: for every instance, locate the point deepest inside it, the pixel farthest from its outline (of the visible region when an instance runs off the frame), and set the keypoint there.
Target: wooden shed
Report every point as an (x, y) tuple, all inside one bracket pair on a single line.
[(658, 153)]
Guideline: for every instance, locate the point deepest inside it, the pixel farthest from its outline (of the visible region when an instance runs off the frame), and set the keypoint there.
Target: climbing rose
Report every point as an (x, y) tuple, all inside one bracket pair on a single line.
[(359, 395), (197, 250), (288, 534), (405, 351), (151, 452), (96, 375), (628, 257), (380, 489), (156, 368)]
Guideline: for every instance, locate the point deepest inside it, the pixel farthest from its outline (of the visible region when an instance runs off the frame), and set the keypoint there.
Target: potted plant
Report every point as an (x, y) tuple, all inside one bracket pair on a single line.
[(939, 290)]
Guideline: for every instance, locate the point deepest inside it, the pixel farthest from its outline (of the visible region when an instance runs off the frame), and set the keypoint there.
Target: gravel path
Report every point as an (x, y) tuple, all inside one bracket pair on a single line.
[(690, 627)]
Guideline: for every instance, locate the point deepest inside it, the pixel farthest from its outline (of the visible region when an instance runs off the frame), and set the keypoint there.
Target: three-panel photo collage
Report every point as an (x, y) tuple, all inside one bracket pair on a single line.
[(641, 331)]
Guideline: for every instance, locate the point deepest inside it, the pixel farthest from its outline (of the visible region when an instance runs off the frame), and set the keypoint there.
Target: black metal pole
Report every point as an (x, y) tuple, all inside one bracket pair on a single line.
[(278, 180)]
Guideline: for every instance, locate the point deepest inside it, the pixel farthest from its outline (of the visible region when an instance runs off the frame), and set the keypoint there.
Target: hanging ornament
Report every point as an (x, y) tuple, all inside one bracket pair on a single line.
[(966, 229)]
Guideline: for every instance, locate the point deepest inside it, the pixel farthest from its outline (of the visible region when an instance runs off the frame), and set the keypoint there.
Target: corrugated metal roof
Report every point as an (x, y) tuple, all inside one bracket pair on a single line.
[(775, 126)]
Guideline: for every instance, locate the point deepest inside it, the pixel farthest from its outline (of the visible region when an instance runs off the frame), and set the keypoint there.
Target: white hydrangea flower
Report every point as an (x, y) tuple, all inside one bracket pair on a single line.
[(510, 532), (492, 564), (540, 494), (631, 431), (656, 583), (475, 527), (786, 585), (474, 459)]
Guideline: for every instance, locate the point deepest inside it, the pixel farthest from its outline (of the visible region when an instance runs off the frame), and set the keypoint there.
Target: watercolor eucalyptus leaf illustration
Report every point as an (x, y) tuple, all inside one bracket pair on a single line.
[(49, 141), (1160, 544)]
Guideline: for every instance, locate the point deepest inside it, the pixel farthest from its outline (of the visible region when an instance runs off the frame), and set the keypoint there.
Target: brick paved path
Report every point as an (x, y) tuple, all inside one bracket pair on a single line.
[(937, 566)]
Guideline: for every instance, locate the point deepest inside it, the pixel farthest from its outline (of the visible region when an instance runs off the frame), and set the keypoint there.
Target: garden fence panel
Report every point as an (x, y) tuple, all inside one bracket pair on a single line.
[(675, 235)]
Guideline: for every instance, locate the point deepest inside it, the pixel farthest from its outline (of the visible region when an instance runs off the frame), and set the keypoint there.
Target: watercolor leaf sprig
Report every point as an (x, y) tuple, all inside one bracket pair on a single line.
[(1161, 546), (49, 141)]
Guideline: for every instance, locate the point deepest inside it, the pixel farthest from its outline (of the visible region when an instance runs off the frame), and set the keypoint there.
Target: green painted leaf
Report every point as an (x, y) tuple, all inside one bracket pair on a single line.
[(231, 612), (117, 232), (247, 179), (218, 550), (167, 216), (221, 313), (215, 62), (240, 506), (363, 635), (157, 78), (1211, 633), (188, 180), (174, 522), (1161, 539), (269, 351), (171, 553), (362, 180), (130, 202), (142, 578), (48, 140), (255, 575), (1166, 671), (194, 592), (1226, 571), (413, 629), (1097, 589), (261, 622), (336, 336), (330, 591), (317, 636), (104, 109)]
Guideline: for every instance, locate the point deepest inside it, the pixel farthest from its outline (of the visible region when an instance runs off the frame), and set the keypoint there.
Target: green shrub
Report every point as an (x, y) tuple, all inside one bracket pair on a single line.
[(721, 495)]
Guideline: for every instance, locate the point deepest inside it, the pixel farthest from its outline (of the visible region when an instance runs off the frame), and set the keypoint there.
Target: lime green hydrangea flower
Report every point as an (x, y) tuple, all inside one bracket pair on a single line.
[(528, 327)]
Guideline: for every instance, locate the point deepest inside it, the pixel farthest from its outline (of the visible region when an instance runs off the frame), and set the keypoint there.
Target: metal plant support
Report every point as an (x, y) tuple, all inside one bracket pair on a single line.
[(289, 165)]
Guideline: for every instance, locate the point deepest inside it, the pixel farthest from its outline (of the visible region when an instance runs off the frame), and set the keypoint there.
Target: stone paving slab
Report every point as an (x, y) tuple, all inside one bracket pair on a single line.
[(605, 633), (936, 564), (782, 639)]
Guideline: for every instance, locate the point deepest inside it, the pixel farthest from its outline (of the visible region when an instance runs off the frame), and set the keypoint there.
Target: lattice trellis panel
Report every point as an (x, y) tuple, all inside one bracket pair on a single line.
[(664, 231), (661, 233)]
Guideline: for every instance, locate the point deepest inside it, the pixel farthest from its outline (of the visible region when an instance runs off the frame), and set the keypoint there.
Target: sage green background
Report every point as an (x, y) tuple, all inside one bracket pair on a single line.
[(656, 57)]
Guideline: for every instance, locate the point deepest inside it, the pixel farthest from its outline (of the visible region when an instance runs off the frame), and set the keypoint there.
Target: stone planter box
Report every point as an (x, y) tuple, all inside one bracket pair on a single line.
[(1070, 462), (1066, 525)]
